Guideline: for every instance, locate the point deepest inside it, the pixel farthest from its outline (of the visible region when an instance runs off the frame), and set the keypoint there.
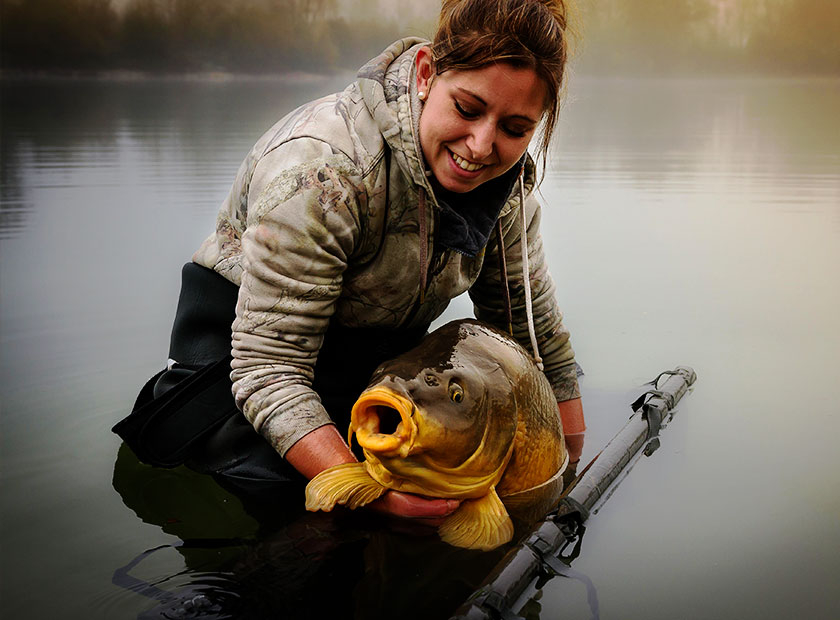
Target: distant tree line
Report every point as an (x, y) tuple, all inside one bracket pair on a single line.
[(270, 36), (254, 36), (711, 36)]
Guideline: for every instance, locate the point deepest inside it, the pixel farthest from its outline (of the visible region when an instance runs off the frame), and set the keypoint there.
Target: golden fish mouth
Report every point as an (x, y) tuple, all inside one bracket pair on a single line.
[(383, 422)]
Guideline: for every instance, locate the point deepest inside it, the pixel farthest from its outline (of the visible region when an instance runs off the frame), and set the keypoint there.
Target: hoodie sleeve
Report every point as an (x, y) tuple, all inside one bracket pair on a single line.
[(552, 336), (301, 231)]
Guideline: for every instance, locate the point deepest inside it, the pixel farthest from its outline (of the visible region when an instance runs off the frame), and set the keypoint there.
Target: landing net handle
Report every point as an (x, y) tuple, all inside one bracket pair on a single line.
[(539, 558)]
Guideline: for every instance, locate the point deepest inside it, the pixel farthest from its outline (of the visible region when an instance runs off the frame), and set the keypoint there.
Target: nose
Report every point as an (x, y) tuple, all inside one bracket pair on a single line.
[(481, 141)]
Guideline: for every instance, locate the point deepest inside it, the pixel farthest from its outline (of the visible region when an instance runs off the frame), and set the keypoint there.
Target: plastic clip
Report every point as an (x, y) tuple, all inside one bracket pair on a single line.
[(556, 567), (642, 400), (495, 602), (569, 517), (546, 555), (653, 414)]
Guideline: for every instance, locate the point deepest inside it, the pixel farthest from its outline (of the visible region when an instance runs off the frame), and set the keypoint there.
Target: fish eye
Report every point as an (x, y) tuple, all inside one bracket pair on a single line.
[(456, 393)]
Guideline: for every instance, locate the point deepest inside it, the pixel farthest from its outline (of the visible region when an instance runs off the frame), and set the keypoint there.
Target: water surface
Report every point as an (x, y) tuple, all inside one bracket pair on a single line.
[(686, 222)]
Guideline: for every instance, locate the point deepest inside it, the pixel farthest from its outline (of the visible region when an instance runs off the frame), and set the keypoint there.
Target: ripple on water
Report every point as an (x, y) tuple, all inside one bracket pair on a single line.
[(184, 595)]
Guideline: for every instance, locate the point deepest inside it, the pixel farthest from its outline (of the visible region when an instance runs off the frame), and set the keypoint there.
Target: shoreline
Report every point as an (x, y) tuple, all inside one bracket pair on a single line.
[(299, 76), (129, 75)]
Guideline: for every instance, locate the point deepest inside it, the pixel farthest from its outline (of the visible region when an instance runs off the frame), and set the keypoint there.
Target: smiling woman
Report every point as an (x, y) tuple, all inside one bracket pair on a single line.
[(476, 124), (350, 226), (532, 35)]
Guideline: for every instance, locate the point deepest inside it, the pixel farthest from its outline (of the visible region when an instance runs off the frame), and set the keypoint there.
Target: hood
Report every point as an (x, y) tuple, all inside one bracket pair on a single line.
[(391, 98), (389, 91)]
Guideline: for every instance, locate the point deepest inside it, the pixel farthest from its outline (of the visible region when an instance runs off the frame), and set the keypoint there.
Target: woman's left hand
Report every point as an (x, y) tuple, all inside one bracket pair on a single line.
[(414, 507), (571, 415), (574, 445)]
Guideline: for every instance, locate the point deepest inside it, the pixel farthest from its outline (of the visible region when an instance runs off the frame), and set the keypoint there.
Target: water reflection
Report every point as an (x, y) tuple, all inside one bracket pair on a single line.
[(688, 222), (669, 137), (267, 557), (90, 134)]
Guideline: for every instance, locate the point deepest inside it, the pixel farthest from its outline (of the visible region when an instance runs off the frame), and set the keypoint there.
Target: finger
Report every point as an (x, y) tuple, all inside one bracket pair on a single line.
[(574, 444), (415, 506)]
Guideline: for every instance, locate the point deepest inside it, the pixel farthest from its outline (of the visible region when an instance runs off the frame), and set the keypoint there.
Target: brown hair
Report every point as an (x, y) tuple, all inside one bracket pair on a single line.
[(524, 33)]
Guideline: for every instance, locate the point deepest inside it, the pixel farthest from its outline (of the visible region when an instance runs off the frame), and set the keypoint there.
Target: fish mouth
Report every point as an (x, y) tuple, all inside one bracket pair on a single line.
[(383, 422)]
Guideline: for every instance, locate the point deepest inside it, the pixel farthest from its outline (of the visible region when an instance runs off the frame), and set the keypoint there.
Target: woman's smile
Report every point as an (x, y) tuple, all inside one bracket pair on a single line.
[(464, 164)]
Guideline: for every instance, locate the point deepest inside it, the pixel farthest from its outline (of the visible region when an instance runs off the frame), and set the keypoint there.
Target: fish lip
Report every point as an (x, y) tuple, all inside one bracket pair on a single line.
[(364, 422)]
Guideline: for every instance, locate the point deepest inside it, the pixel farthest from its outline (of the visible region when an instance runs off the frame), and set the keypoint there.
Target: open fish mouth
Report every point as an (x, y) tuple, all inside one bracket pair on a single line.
[(383, 422)]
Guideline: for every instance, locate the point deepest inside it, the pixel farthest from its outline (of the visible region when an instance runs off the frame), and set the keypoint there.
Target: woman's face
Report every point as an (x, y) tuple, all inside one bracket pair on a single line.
[(476, 124)]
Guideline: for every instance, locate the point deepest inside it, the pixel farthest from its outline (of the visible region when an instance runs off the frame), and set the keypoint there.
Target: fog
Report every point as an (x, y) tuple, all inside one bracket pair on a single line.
[(788, 37)]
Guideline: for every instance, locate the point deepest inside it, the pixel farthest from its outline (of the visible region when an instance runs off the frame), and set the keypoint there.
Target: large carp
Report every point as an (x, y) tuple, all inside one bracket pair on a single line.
[(467, 415)]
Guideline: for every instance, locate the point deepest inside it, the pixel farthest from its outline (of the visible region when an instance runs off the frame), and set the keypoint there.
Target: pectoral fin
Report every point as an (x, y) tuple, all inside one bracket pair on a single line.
[(481, 523), (348, 484)]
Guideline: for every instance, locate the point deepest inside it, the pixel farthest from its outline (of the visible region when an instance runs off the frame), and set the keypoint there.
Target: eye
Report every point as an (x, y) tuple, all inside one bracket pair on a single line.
[(468, 114), (514, 133), (456, 393)]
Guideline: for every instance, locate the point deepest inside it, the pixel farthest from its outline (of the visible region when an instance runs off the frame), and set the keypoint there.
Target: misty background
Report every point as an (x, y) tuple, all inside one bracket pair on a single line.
[(782, 37), (691, 219)]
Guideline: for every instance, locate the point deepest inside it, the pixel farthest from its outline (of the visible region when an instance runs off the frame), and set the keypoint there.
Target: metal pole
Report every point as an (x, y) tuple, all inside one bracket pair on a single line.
[(536, 559)]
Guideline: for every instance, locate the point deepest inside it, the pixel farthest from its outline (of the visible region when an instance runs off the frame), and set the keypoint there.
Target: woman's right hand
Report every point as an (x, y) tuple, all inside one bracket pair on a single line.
[(324, 448)]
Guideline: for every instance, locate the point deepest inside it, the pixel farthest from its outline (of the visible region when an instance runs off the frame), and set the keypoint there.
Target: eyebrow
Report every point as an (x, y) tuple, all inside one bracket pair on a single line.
[(469, 93)]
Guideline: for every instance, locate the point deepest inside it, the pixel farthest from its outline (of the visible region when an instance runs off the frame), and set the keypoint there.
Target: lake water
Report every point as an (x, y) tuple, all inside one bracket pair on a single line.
[(687, 223)]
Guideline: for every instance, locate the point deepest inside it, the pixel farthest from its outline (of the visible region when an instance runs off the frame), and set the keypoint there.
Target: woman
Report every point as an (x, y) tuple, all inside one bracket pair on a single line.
[(351, 225)]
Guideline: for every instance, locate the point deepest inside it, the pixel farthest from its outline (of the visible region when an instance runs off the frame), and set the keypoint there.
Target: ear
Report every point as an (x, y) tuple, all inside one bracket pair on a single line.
[(425, 69)]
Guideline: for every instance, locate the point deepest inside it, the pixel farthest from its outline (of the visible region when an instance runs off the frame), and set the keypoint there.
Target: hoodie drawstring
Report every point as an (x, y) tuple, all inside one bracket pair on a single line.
[(500, 249), (526, 275), (424, 240)]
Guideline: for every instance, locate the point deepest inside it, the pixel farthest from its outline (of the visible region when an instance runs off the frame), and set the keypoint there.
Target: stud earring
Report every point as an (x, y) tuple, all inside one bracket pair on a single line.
[(422, 95)]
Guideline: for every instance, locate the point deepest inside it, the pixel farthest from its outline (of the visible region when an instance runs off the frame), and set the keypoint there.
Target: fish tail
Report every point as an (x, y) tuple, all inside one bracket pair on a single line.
[(348, 484)]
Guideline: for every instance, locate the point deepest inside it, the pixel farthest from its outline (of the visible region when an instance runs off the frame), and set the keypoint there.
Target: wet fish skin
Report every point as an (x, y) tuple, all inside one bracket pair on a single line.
[(465, 415)]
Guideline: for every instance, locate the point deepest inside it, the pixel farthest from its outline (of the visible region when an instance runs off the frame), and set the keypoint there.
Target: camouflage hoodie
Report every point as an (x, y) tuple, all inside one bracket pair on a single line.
[(332, 216)]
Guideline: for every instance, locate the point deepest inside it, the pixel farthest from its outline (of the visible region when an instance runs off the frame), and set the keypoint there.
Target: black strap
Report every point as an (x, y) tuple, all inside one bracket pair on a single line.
[(163, 431), (555, 566), (206, 310)]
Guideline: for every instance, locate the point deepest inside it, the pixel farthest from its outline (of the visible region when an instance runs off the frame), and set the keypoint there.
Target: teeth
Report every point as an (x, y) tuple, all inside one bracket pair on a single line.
[(465, 164)]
